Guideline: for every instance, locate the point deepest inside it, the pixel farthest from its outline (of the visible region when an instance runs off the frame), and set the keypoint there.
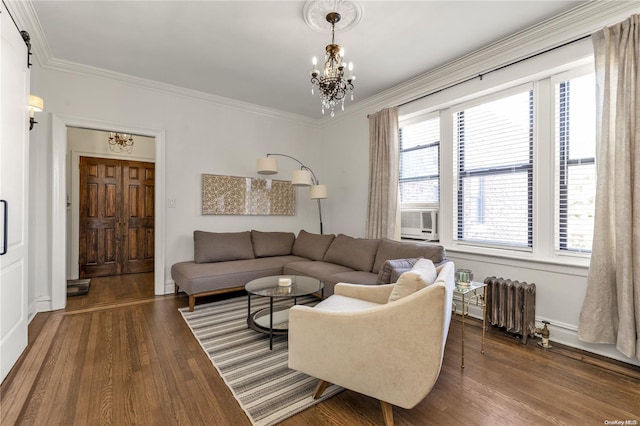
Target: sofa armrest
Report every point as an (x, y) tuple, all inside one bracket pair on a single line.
[(370, 293)]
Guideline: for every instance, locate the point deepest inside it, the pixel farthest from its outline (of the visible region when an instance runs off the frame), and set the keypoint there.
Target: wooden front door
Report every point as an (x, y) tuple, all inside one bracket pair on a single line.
[(116, 217)]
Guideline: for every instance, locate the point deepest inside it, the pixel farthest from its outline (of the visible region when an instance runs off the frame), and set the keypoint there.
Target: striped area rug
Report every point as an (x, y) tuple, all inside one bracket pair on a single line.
[(267, 390)]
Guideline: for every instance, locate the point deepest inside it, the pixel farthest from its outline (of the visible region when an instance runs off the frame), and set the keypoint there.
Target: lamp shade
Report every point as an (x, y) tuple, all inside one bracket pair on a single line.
[(301, 178), (267, 166), (318, 192), (36, 103)]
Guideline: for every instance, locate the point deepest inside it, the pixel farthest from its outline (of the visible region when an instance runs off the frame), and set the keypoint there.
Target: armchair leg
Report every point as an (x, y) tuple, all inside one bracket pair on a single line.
[(387, 413), (320, 388)]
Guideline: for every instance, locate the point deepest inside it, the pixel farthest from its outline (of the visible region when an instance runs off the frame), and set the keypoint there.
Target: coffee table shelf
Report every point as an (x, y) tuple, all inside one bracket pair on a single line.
[(275, 320)]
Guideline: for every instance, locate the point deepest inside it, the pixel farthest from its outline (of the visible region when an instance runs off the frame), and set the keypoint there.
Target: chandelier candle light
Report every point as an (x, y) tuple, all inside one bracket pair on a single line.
[(303, 177), (332, 84)]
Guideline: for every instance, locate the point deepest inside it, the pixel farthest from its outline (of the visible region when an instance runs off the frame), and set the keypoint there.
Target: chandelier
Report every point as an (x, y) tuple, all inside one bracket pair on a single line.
[(331, 83), (119, 142)]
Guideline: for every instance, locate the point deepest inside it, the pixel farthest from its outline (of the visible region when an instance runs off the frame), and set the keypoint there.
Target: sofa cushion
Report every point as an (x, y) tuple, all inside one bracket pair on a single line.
[(272, 243), (389, 271), (314, 268), (221, 246), (312, 246), (352, 277), (390, 249), (420, 276), (356, 253)]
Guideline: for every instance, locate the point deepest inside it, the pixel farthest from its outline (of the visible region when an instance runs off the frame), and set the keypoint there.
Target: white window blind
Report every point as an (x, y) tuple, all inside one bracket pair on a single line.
[(493, 174), (575, 144), (420, 162)]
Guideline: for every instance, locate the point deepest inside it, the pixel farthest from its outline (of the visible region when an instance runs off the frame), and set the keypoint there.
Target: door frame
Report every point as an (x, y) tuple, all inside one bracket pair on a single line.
[(59, 124)]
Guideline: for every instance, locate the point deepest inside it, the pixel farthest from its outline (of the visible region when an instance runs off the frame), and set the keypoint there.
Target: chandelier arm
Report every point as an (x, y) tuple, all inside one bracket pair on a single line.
[(314, 180)]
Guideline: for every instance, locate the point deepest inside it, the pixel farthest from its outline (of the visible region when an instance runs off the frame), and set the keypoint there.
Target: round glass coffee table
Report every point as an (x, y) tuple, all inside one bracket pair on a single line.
[(275, 320)]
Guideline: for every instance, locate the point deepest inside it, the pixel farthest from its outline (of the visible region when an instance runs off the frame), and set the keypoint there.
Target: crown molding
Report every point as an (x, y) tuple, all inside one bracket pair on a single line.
[(100, 73), (570, 25), (27, 18), (575, 23)]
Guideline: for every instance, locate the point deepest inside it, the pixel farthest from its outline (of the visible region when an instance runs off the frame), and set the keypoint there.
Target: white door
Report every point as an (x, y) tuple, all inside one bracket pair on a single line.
[(14, 185)]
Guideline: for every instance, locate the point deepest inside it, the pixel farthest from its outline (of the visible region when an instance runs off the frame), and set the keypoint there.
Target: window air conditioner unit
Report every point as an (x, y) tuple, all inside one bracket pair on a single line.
[(419, 224)]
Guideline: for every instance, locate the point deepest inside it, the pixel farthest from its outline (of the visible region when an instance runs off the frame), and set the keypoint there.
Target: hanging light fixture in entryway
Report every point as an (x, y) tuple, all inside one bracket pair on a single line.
[(119, 142)]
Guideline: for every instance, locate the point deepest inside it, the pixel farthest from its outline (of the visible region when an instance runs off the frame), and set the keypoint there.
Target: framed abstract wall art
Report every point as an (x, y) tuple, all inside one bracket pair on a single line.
[(231, 195)]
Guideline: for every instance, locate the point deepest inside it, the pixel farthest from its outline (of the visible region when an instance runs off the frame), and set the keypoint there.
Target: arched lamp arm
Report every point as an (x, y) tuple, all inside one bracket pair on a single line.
[(314, 179)]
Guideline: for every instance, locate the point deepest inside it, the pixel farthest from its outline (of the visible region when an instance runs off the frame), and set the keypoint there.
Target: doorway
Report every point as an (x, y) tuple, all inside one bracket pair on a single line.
[(111, 220), (61, 258), (116, 217)]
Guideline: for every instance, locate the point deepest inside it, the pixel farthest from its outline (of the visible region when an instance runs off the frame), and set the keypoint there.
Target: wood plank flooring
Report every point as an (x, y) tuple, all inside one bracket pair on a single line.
[(108, 291), (138, 363)]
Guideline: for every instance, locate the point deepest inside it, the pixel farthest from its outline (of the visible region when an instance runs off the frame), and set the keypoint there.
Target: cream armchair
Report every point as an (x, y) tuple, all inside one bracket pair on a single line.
[(390, 351)]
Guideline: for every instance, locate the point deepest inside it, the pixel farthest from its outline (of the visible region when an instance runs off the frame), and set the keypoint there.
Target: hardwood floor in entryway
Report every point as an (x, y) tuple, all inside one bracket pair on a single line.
[(110, 291), (138, 363)]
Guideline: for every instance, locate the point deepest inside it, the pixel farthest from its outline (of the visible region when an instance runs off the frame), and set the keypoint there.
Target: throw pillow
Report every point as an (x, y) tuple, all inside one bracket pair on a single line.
[(385, 274), (312, 246), (221, 246), (420, 276)]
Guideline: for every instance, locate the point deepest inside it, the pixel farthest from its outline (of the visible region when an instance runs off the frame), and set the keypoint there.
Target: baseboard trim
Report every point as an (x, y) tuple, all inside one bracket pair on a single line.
[(169, 287), (567, 335), (42, 304)]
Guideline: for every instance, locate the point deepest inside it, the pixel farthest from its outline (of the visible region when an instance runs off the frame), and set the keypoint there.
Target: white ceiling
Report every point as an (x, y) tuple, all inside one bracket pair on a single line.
[(260, 51)]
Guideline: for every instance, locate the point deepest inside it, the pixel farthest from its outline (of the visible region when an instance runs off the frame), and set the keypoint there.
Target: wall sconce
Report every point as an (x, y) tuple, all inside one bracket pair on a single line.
[(303, 177), (36, 104)]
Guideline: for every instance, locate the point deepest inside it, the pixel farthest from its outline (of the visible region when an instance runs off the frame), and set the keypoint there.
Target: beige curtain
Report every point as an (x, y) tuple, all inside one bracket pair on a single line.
[(611, 309), (383, 174)]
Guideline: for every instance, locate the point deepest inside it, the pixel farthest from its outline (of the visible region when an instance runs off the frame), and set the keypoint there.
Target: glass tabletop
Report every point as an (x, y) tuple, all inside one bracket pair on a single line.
[(269, 286), (465, 288)]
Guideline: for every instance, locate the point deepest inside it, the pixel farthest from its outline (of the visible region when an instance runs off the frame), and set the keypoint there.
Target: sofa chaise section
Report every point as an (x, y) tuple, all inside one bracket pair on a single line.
[(206, 279), (226, 261)]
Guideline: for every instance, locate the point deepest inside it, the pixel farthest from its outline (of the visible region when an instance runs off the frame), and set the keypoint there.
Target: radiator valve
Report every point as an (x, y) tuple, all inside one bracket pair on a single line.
[(545, 333)]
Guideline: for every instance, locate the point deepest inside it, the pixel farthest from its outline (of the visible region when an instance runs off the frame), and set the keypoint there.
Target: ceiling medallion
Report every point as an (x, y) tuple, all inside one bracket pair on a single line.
[(315, 12)]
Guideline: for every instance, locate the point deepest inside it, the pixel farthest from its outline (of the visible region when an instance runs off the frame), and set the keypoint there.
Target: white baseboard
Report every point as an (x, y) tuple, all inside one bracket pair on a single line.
[(565, 334), (42, 304), (169, 286)]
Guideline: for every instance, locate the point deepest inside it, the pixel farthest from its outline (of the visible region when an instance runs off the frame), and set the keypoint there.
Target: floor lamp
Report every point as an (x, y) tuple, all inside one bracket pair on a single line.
[(303, 177)]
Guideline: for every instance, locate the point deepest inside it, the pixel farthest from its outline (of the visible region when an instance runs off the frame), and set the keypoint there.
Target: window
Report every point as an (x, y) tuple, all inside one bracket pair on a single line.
[(575, 142), (493, 174), (419, 161)]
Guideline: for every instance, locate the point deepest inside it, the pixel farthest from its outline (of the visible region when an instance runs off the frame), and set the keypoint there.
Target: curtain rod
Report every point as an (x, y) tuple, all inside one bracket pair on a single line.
[(495, 69)]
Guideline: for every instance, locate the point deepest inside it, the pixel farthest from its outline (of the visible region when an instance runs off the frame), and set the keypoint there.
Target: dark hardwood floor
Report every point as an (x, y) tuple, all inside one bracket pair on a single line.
[(109, 291), (138, 363)]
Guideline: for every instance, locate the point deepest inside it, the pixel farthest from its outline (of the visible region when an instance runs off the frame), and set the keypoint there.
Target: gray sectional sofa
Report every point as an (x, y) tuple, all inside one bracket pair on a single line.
[(225, 262)]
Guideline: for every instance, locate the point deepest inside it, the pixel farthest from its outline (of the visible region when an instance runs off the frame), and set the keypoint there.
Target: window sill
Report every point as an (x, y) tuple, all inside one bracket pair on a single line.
[(580, 264)]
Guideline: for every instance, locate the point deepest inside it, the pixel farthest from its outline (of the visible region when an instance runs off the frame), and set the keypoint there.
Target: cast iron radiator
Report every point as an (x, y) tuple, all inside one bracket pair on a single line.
[(512, 305)]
